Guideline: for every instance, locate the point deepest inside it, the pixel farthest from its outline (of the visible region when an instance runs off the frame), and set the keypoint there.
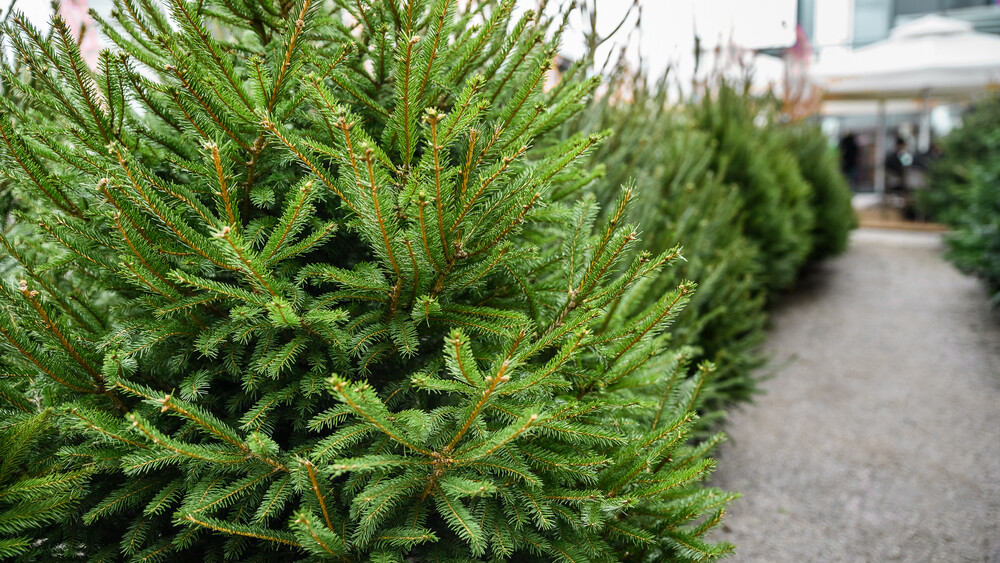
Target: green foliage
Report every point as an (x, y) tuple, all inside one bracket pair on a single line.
[(740, 189), (34, 491), (831, 195), (964, 192), (750, 153), (683, 198), (320, 287)]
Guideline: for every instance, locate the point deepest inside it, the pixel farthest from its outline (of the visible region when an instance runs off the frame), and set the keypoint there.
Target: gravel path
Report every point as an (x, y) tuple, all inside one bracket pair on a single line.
[(878, 438)]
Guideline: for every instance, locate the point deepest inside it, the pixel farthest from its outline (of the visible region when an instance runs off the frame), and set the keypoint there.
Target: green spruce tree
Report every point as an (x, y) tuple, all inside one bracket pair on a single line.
[(751, 153), (964, 192), (291, 281), (830, 193), (684, 199)]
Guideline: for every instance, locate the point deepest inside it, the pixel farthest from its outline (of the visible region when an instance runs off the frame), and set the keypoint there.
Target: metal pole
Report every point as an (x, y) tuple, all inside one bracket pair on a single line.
[(924, 136)]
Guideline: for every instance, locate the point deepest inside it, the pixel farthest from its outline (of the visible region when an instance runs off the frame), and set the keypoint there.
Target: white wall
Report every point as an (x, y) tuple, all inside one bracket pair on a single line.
[(834, 23)]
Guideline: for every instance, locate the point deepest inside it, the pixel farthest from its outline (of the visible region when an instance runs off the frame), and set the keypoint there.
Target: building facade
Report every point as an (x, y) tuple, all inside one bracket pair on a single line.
[(873, 19), (867, 21), (835, 28)]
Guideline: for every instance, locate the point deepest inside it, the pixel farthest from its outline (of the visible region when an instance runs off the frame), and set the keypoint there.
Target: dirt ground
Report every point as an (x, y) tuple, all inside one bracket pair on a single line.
[(878, 438)]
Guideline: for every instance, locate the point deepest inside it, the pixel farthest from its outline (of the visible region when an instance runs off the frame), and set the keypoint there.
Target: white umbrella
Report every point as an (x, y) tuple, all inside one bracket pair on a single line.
[(930, 55)]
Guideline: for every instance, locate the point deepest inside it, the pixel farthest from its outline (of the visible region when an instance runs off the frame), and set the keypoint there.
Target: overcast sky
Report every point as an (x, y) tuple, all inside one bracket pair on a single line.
[(668, 26)]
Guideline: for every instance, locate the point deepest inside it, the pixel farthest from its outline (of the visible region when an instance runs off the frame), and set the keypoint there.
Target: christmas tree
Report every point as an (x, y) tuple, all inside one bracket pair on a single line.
[(964, 192), (707, 172), (776, 198), (684, 198), (830, 194), (308, 280)]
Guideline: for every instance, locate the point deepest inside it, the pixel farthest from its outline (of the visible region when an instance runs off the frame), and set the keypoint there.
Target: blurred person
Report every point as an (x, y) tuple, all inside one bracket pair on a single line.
[(896, 165), (849, 154)]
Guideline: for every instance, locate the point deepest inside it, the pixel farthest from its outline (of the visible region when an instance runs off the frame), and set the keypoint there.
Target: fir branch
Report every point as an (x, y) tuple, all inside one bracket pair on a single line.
[(220, 501), (274, 499), (85, 86), (492, 384), (40, 280), (246, 265), (678, 297), (130, 8), (406, 101), (385, 236), (433, 119), (193, 451), (502, 235), (311, 470), (322, 175), (94, 426), (286, 63), (171, 219), (117, 501), (474, 51), (350, 397), (443, 19), (303, 520), (609, 231), (421, 203), (358, 95), (485, 184), (180, 9), (231, 212), (21, 154), (33, 358), (182, 76), (461, 521), (467, 165), (235, 529), (171, 291)]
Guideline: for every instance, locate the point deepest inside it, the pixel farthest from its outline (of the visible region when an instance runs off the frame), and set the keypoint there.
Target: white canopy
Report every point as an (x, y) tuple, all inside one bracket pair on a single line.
[(930, 55)]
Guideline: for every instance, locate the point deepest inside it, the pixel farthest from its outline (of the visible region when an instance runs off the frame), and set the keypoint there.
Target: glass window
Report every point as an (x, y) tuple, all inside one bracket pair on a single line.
[(907, 7), (871, 20), (913, 7)]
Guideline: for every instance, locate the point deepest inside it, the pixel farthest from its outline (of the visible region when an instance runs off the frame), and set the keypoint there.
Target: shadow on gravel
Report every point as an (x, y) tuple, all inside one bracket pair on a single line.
[(814, 282)]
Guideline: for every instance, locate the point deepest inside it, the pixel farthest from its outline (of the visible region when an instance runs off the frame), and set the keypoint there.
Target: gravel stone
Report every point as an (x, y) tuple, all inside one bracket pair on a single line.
[(878, 436)]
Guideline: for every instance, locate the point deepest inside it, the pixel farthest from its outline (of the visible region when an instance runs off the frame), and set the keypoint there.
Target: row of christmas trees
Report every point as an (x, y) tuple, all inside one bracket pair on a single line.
[(344, 281), (965, 193), (752, 197)]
